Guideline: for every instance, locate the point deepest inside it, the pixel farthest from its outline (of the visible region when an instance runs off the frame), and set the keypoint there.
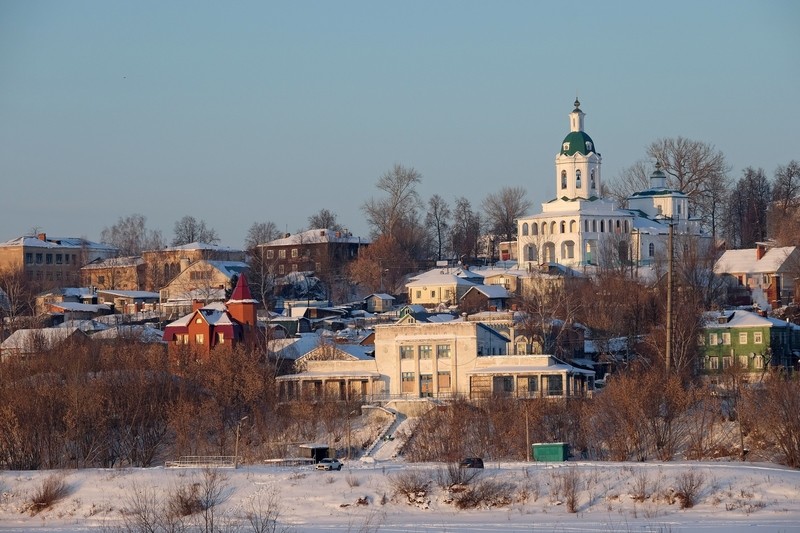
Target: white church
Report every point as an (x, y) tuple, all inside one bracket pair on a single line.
[(579, 227)]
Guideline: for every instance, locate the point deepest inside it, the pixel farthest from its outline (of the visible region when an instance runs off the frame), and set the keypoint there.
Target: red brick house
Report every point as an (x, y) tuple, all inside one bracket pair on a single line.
[(217, 325)]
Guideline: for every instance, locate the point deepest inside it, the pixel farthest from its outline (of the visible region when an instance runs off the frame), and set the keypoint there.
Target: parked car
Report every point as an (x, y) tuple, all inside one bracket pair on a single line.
[(331, 464), (471, 462)]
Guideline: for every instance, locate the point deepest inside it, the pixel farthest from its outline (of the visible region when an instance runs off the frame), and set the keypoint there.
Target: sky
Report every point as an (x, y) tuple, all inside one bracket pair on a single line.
[(243, 112)]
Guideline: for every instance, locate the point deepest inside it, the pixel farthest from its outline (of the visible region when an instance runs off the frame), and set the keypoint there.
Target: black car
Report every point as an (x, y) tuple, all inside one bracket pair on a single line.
[(471, 462)]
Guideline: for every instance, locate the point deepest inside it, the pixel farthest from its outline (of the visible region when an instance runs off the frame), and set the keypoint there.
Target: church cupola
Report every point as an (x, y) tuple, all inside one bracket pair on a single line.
[(658, 180), (578, 163)]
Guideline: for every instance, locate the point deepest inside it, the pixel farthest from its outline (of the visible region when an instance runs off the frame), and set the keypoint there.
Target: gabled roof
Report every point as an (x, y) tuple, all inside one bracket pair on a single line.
[(136, 295), (141, 333), (79, 307), (380, 296), (734, 319), (114, 262), (745, 261), (490, 291), (201, 246), (28, 340)]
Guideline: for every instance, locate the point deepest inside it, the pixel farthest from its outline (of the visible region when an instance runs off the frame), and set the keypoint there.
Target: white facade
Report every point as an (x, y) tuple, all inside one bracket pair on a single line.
[(580, 227)]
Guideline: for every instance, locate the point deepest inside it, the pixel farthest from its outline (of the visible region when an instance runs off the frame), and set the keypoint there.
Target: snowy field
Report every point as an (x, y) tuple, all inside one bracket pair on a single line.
[(731, 497)]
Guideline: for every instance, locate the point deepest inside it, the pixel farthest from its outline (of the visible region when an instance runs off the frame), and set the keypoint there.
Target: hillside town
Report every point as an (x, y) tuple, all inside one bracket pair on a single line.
[(627, 324)]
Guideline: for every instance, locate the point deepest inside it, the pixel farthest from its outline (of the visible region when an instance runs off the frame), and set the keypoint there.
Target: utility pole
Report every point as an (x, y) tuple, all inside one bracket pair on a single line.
[(670, 260)]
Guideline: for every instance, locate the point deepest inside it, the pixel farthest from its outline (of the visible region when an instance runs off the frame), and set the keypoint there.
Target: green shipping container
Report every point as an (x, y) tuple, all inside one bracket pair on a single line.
[(551, 451)]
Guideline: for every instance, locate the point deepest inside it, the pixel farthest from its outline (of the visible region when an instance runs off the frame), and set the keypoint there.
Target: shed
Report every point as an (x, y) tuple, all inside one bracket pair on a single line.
[(317, 452)]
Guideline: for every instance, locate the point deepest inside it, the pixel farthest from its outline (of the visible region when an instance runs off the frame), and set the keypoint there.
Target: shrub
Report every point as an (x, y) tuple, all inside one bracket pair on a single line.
[(52, 489), (688, 485), (410, 483), (567, 483), (453, 474), (352, 481), (487, 492)]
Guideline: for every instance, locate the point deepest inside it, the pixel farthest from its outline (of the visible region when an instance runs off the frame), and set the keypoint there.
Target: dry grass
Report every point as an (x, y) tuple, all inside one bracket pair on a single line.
[(52, 489)]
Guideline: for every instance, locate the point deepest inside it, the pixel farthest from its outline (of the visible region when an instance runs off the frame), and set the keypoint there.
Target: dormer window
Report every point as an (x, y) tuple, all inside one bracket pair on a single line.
[(565, 147), (578, 179), (563, 179), (588, 146)]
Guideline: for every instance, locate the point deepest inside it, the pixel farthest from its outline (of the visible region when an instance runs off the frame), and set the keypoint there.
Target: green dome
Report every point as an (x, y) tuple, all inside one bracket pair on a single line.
[(577, 142)]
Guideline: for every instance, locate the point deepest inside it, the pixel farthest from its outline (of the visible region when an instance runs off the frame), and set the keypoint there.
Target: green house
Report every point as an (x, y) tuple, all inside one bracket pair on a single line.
[(752, 342)]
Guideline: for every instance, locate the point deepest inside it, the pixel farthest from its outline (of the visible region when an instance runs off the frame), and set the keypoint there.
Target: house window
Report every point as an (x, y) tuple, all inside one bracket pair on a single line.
[(281, 269), (555, 385), (425, 351), (701, 340), (727, 362), (59, 259), (182, 339), (713, 363), (294, 252), (426, 385), (712, 339), (444, 380), (506, 384), (199, 338), (591, 178), (419, 295), (743, 362), (294, 268), (443, 351), (58, 275), (282, 254), (39, 258), (563, 227), (407, 382), (525, 228), (534, 229), (651, 249), (433, 294), (726, 338), (28, 258), (49, 276), (48, 259), (758, 337), (406, 352), (317, 266), (198, 321), (101, 280), (66, 259), (743, 337), (533, 384), (270, 254), (758, 361), (220, 338)]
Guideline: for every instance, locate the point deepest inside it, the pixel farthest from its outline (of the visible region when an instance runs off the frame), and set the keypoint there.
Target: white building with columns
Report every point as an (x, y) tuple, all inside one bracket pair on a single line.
[(579, 227)]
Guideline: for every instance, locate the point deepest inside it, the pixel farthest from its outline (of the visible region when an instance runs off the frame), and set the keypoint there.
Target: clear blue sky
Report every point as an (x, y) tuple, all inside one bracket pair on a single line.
[(237, 112)]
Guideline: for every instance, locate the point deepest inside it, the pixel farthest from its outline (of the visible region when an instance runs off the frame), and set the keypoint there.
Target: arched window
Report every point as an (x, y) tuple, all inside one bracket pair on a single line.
[(563, 227), (563, 179), (617, 227), (568, 250), (679, 208), (594, 225), (591, 179), (525, 228), (626, 226), (623, 251), (651, 250), (572, 226), (602, 226), (544, 228), (553, 228), (578, 179), (586, 225), (532, 254), (534, 229)]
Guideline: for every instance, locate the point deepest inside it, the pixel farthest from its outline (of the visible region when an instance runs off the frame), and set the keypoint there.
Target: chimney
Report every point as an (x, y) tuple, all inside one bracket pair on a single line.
[(42, 236), (196, 304), (761, 249), (185, 262)]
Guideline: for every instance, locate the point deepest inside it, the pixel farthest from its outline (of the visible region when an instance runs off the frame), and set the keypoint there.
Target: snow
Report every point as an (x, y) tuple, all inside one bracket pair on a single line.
[(733, 497)]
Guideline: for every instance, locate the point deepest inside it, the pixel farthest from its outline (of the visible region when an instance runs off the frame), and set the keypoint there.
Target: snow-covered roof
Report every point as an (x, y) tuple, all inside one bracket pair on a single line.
[(202, 246), (317, 236), (533, 368), (228, 268), (745, 261), (438, 278), (25, 340), (136, 295), (59, 242), (737, 318), (114, 262), (294, 347), (380, 296), (490, 291), (79, 307), (141, 333)]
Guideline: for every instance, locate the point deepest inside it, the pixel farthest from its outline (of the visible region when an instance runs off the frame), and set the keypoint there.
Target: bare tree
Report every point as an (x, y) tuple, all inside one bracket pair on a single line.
[(697, 169), (438, 221), (389, 215), (381, 265), (188, 229), (131, 236), (746, 210), (324, 219), (784, 213), (502, 209), (466, 231), (630, 180), (261, 233)]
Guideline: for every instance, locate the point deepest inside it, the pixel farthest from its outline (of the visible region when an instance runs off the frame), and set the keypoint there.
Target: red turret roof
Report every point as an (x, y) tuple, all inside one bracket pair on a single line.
[(242, 294)]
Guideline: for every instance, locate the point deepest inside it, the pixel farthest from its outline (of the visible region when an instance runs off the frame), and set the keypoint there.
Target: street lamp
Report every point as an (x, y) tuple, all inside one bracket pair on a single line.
[(236, 449)]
